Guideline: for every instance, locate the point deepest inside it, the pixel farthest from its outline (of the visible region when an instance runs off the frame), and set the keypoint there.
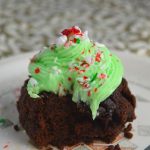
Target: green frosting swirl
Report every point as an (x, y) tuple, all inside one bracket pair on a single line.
[(87, 70)]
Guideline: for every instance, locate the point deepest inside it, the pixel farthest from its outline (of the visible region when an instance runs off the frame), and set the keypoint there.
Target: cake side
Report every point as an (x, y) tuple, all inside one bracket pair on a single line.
[(51, 119)]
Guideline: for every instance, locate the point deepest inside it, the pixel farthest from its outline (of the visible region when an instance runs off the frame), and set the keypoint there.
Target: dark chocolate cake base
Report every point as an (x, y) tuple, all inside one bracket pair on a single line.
[(60, 122)]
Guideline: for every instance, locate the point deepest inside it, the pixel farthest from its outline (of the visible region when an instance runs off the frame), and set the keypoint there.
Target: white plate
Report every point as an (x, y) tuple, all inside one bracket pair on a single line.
[(13, 72)]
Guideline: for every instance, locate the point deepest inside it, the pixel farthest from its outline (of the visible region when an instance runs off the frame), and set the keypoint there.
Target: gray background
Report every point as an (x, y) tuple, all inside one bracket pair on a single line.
[(27, 25)]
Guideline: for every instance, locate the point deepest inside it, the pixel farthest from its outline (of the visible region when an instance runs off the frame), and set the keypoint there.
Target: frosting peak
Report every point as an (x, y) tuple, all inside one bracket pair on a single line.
[(78, 66)]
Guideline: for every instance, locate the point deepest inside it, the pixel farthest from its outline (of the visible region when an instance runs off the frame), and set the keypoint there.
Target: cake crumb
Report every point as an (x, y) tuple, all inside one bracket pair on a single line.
[(128, 135), (128, 128), (117, 147), (127, 132), (17, 128), (112, 147)]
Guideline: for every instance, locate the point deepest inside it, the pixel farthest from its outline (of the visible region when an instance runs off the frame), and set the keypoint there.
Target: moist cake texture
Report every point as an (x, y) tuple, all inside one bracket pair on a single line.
[(59, 121)]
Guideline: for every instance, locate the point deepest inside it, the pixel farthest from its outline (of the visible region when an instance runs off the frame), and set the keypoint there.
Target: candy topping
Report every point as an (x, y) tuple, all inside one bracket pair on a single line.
[(37, 70), (72, 31), (98, 57), (102, 76)]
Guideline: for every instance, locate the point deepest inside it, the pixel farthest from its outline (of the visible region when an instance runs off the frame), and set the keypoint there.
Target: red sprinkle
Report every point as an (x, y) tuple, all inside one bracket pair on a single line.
[(85, 77), (71, 31), (66, 32), (76, 68), (69, 78), (37, 70), (81, 71), (89, 93), (85, 85), (98, 57), (85, 64), (75, 30), (74, 40), (95, 89), (102, 76)]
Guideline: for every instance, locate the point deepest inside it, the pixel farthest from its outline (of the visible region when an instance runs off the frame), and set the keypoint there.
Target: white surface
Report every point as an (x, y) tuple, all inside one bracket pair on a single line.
[(13, 72)]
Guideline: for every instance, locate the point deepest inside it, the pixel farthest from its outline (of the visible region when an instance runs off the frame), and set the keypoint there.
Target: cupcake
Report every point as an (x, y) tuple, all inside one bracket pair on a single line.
[(75, 93)]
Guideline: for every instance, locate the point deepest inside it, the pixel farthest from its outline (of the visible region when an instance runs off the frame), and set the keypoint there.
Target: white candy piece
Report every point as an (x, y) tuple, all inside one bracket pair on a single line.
[(33, 82), (88, 59), (85, 34), (61, 40)]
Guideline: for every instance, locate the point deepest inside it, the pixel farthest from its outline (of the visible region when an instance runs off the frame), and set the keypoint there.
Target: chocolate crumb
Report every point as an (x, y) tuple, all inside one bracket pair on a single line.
[(128, 128), (117, 147), (110, 147), (128, 135), (16, 127)]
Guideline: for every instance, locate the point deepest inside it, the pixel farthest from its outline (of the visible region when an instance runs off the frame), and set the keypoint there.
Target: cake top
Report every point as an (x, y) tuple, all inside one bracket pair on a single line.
[(78, 66)]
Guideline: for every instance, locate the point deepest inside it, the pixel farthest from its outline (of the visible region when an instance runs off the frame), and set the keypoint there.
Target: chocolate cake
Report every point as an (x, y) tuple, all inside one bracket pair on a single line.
[(59, 121), (77, 106)]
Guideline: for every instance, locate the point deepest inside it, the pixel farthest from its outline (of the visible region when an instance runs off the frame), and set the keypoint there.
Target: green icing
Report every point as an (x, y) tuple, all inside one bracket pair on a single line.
[(85, 69)]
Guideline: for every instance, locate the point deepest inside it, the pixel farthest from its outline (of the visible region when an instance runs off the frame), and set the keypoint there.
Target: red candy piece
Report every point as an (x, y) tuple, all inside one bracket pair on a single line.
[(102, 76), (85, 85), (69, 78), (81, 71), (89, 93), (37, 70), (75, 30), (76, 68), (66, 32), (74, 40), (85, 77), (71, 31), (98, 57)]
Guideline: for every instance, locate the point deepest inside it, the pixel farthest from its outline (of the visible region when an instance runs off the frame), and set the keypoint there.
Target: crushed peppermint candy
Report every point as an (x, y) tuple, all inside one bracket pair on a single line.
[(98, 57), (69, 79), (61, 40), (102, 76), (71, 31), (70, 36), (89, 93), (37, 70)]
